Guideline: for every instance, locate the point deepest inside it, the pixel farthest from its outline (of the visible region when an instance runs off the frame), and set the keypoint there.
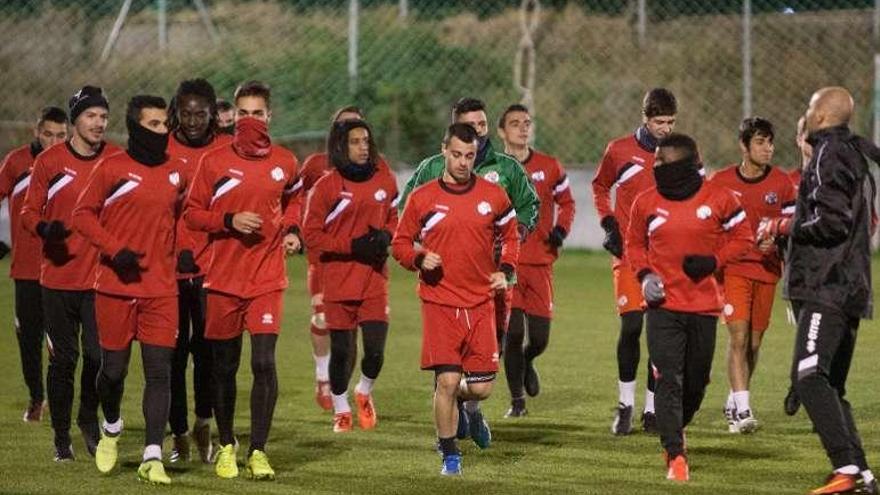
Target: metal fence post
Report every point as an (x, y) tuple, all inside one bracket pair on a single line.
[(163, 24), (642, 21), (353, 18), (747, 58)]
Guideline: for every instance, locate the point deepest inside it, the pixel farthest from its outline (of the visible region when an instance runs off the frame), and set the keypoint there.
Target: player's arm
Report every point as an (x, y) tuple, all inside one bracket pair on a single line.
[(506, 223), (564, 200), (392, 217), (7, 181), (86, 213), (430, 168), (739, 238), (36, 198), (830, 222), (197, 210), (603, 181), (318, 206), (637, 241), (522, 195), (403, 244), (292, 202)]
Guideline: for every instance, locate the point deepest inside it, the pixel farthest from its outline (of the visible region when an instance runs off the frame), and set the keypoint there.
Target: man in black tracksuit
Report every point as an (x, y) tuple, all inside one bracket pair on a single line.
[(828, 278)]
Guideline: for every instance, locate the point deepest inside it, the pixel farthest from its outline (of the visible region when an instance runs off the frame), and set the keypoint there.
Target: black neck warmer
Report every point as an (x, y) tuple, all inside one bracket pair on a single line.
[(145, 146), (483, 148), (357, 173), (678, 180), (646, 141), (36, 148)]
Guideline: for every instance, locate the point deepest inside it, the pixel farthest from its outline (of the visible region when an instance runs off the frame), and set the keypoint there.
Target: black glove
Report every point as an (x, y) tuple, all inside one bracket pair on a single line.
[(126, 260), (186, 262), (613, 242), (698, 266), (54, 231), (522, 231), (792, 401), (4, 250), (557, 236), (372, 247)]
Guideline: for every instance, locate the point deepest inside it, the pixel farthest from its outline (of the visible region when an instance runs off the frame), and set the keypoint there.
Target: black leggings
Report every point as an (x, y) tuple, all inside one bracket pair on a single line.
[(157, 383), (629, 348), (343, 350), (516, 356), (190, 340), (264, 391)]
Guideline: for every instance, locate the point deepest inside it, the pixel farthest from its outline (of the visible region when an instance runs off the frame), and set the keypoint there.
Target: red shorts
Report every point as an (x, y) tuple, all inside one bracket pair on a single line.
[(347, 315), (533, 292), (503, 301), (748, 300), (227, 316), (121, 319), (459, 337), (627, 290)]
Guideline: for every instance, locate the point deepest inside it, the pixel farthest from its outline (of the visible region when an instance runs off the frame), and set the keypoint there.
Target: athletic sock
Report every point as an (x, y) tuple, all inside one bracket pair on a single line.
[(340, 403), (626, 393), (867, 476), (649, 401), (152, 452), (850, 469), (365, 386), (322, 367), (471, 406), (447, 446), (113, 429), (741, 399), (731, 405)]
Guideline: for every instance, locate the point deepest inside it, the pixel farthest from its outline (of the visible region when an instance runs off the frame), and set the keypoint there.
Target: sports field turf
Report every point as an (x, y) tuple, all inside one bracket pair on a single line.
[(563, 446)]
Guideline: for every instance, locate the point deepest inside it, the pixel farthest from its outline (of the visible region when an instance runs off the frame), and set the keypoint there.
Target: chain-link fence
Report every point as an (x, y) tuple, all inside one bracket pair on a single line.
[(583, 65)]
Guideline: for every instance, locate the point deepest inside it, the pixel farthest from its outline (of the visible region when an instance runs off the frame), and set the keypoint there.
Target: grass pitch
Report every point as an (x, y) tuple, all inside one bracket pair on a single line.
[(564, 445)]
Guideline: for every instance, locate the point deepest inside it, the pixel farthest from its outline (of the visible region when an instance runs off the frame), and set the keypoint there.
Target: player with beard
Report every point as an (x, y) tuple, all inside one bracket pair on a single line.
[(15, 177), (67, 271)]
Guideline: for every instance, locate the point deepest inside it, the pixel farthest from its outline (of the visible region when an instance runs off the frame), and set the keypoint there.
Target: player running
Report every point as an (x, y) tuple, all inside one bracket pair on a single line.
[(15, 177), (237, 197), (67, 271), (680, 233), (350, 216), (533, 292), (454, 219), (128, 210), (765, 192), (626, 167)]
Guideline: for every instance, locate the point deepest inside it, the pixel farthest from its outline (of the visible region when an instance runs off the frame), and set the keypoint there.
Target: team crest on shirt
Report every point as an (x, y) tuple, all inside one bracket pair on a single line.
[(174, 179), (492, 176), (380, 195), (484, 208), (771, 198), (277, 174), (704, 212), (538, 176)]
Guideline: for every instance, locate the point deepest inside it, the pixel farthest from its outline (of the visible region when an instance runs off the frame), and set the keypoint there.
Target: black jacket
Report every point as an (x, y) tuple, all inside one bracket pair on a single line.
[(829, 258)]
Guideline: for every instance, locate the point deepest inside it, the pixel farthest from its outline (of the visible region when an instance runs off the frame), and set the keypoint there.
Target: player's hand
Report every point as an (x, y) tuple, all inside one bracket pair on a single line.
[(126, 260), (771, 228), (767, 245), (699, 266), (522, 232), (54, 231), (652, 289), (186, 262), (430, 261), (557, 237), (246, 222), (613, 242), (291, 243), (4, 249), (498, 281)]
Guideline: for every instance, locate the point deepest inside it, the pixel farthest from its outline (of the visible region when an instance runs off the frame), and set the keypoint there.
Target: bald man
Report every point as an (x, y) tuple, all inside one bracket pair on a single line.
[(827, 278)]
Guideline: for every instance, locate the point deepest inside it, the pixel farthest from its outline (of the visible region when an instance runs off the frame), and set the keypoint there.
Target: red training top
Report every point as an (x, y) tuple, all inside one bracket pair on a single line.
[(795, 176), (552, 186), (15, 177)]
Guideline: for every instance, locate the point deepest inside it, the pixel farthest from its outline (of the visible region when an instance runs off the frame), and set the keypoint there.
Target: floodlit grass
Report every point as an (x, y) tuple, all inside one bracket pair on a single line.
[(563, 446)]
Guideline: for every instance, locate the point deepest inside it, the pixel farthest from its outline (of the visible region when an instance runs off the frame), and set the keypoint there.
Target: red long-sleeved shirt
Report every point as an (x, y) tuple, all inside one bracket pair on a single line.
[(338, 211), (768, 196), (126, 204), (194, 240), (15, 177), (244, 265), (557, 207), (626, 165), (662, 232), (59, 175), (459, 225), (795, 176)]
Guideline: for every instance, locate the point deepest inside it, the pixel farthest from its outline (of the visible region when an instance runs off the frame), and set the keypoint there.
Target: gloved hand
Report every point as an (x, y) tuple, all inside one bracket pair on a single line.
[(652, 289), (4, 250), (557, 236), (771, 228), (53, 231), (522, 231), (186, 262), (613, 242), (698, 266), (372, 247), (126, 260)]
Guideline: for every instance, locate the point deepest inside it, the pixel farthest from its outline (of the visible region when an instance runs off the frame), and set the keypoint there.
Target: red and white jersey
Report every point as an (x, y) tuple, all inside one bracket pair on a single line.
[(15, 177), (795, 176), (338, 211), (194, 240), (769, 196), (59, 175), (244, 265), (459, 224), (557, 207), (126, 204), (662, 232), (626, 166)]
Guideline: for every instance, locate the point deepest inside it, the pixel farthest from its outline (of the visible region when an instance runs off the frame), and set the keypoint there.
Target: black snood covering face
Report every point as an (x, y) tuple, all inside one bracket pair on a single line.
[(145, 146), (482, 149), (678, 180)]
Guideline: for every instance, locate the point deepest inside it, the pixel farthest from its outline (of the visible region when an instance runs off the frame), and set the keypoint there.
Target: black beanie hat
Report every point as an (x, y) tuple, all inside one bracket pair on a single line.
[(87, 97)]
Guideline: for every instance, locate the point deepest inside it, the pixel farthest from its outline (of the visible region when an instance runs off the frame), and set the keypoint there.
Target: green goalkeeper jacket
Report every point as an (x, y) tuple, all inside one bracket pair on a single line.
[(499, 168)]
